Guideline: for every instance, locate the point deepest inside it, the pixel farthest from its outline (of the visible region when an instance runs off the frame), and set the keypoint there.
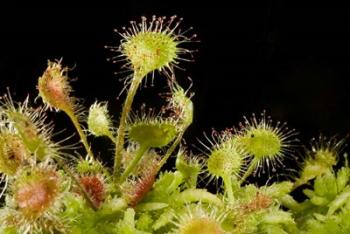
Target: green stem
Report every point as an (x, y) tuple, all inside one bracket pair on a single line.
[(80, 131), (228, 187), (186, 124), (119, 141), (140, 152), (249, 171), (171, 150), (77, 182)]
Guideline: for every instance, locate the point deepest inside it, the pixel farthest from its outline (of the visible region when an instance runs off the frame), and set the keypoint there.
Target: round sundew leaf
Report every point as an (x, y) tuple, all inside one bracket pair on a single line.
[(222, 162), (54, 88), (30, 126), (12, 153), (156, 43), (202, 226), (261, 142), (327, 157), (36, 190), (200, 221), (99, 121), (152, 134), (149, 51)]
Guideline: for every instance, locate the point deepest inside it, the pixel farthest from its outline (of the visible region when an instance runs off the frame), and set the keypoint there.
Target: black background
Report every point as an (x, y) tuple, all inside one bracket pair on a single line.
[(292, 62)]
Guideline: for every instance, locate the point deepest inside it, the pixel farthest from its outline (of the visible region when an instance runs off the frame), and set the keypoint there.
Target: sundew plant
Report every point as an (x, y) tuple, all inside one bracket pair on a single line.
[(47, 187)]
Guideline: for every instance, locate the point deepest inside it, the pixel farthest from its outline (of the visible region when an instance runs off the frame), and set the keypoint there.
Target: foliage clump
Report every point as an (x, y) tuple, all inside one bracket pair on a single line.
[(47, 188)]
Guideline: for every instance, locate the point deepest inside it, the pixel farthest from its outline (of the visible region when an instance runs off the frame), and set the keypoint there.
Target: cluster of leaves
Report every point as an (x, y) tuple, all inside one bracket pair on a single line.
[(47, 190)]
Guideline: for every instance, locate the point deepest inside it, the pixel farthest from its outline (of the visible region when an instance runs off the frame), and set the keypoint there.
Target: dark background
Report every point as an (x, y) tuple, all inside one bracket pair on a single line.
[(292, 62)]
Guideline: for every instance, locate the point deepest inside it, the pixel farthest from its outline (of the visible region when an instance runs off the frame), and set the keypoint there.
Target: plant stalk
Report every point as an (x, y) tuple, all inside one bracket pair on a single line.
[(81, 133), (140, 152), (228, 187), (119, 141), (248, 172)]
